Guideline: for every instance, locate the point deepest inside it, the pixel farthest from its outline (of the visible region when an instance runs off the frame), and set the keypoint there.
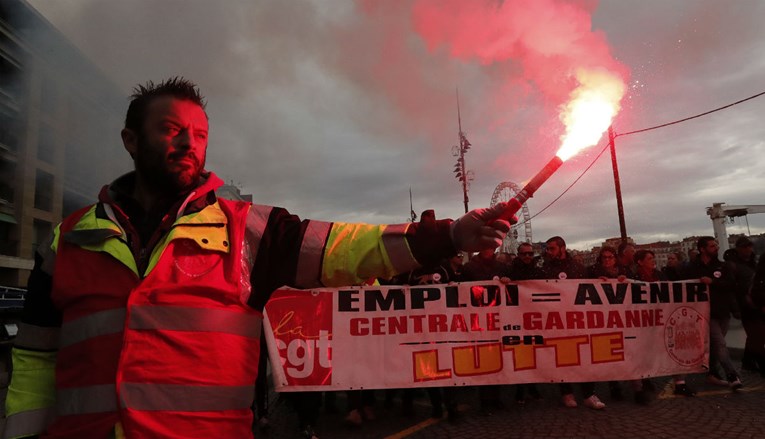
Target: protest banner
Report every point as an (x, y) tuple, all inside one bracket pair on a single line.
[(481, 333)]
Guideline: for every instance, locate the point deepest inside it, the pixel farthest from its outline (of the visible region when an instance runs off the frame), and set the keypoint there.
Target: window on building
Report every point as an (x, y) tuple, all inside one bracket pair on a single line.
[(10, 78), (9, 130), (7, 180), (7, 243), (44, 191), (46, 144)]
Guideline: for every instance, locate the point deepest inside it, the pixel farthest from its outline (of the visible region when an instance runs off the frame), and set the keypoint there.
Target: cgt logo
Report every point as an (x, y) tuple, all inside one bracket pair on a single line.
[(301, 322), (299, 356)]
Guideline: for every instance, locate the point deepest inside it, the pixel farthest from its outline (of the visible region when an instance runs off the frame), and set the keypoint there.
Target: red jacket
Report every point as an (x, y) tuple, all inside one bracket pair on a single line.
[(159, 349)]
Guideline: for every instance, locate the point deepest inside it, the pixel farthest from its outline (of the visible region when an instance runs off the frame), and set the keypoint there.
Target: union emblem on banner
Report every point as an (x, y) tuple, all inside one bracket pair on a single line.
[(299, 325)]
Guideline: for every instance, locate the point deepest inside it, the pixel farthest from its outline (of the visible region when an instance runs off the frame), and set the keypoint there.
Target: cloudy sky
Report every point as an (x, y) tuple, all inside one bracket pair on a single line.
[(334, 109)]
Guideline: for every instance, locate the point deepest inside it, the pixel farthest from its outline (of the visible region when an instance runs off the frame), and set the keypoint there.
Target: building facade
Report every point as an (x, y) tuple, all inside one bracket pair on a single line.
[(60, 119)]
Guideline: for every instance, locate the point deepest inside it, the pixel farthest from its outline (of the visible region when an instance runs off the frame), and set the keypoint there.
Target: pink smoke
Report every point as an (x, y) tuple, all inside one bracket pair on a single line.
[(550, 39), (513, 61)]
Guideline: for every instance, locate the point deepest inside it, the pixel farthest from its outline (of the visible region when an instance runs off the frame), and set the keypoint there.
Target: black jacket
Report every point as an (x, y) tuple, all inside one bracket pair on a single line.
[(563, 269), (722, 300), (522, 271)]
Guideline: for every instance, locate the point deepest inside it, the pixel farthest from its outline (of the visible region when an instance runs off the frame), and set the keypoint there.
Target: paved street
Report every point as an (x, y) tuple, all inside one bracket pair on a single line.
[(715, 412)]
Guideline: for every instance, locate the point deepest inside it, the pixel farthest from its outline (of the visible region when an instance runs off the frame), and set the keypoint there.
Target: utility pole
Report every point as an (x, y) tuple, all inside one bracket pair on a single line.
[(617, 184), (459, 150)]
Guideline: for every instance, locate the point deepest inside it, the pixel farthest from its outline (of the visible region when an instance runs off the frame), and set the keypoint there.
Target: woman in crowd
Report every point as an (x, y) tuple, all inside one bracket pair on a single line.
[(674, 264), (606, 266)]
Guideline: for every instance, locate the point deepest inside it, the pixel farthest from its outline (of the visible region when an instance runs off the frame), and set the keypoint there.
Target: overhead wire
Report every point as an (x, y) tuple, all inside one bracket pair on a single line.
[(689, 118), (635, 132), (569, 186)]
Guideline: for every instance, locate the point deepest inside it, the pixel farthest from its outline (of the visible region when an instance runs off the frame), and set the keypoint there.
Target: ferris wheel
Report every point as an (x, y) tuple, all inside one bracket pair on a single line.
[(520, 232)]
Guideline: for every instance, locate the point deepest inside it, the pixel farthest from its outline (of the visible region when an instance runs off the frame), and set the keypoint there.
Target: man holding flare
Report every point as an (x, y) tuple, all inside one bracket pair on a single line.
[(144, 310)]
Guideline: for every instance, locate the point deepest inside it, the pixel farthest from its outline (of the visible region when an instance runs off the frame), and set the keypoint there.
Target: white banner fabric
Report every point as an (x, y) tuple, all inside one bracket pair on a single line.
[(481, 333)]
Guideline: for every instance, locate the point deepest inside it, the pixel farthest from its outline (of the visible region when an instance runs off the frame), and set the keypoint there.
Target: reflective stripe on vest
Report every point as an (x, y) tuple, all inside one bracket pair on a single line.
[(153, 397), (106, 322), (28, 423), (355, 252), (311, 253), (185, 398), (394, 239), (39, 338), (175, 318), (257, 220), (160, 317), (84, 400)]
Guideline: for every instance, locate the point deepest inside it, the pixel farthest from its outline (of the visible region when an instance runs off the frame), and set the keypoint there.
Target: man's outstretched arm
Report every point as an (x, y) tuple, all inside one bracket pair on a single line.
[(310, 254)]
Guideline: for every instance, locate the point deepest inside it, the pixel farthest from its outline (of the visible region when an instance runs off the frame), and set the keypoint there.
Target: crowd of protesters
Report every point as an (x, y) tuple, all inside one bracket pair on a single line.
[(737, 290)]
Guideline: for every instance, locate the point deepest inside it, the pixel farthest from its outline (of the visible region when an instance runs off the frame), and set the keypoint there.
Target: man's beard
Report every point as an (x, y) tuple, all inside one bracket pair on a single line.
[(161, 172)]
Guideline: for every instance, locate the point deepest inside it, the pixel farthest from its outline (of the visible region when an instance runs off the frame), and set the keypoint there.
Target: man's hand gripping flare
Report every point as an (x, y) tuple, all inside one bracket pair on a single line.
[(481, 229)]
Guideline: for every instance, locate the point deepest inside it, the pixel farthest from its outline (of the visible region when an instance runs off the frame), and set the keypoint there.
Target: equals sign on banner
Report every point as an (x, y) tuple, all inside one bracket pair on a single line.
[(545, 297)]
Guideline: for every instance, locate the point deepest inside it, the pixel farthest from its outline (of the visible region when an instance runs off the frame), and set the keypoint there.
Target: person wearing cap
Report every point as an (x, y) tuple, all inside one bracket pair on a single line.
[(743, 264)]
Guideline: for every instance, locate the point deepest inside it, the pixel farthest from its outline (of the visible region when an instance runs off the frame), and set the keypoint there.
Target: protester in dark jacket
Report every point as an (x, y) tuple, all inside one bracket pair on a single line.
[(484, 266), (756, 300), (742, 264), (673, 269), (560, 265), (524, 266), (722, 303)]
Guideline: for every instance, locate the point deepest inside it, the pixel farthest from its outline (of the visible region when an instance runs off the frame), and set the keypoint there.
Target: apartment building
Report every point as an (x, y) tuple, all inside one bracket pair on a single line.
[(60, 119)]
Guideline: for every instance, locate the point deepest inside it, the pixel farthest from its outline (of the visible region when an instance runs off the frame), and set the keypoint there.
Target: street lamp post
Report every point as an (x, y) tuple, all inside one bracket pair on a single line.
[(460, 171)]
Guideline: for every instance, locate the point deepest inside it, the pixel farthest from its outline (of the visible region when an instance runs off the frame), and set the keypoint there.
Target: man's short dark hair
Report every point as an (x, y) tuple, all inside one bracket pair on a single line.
[(558, 240), (703, 241), (177, 87)]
